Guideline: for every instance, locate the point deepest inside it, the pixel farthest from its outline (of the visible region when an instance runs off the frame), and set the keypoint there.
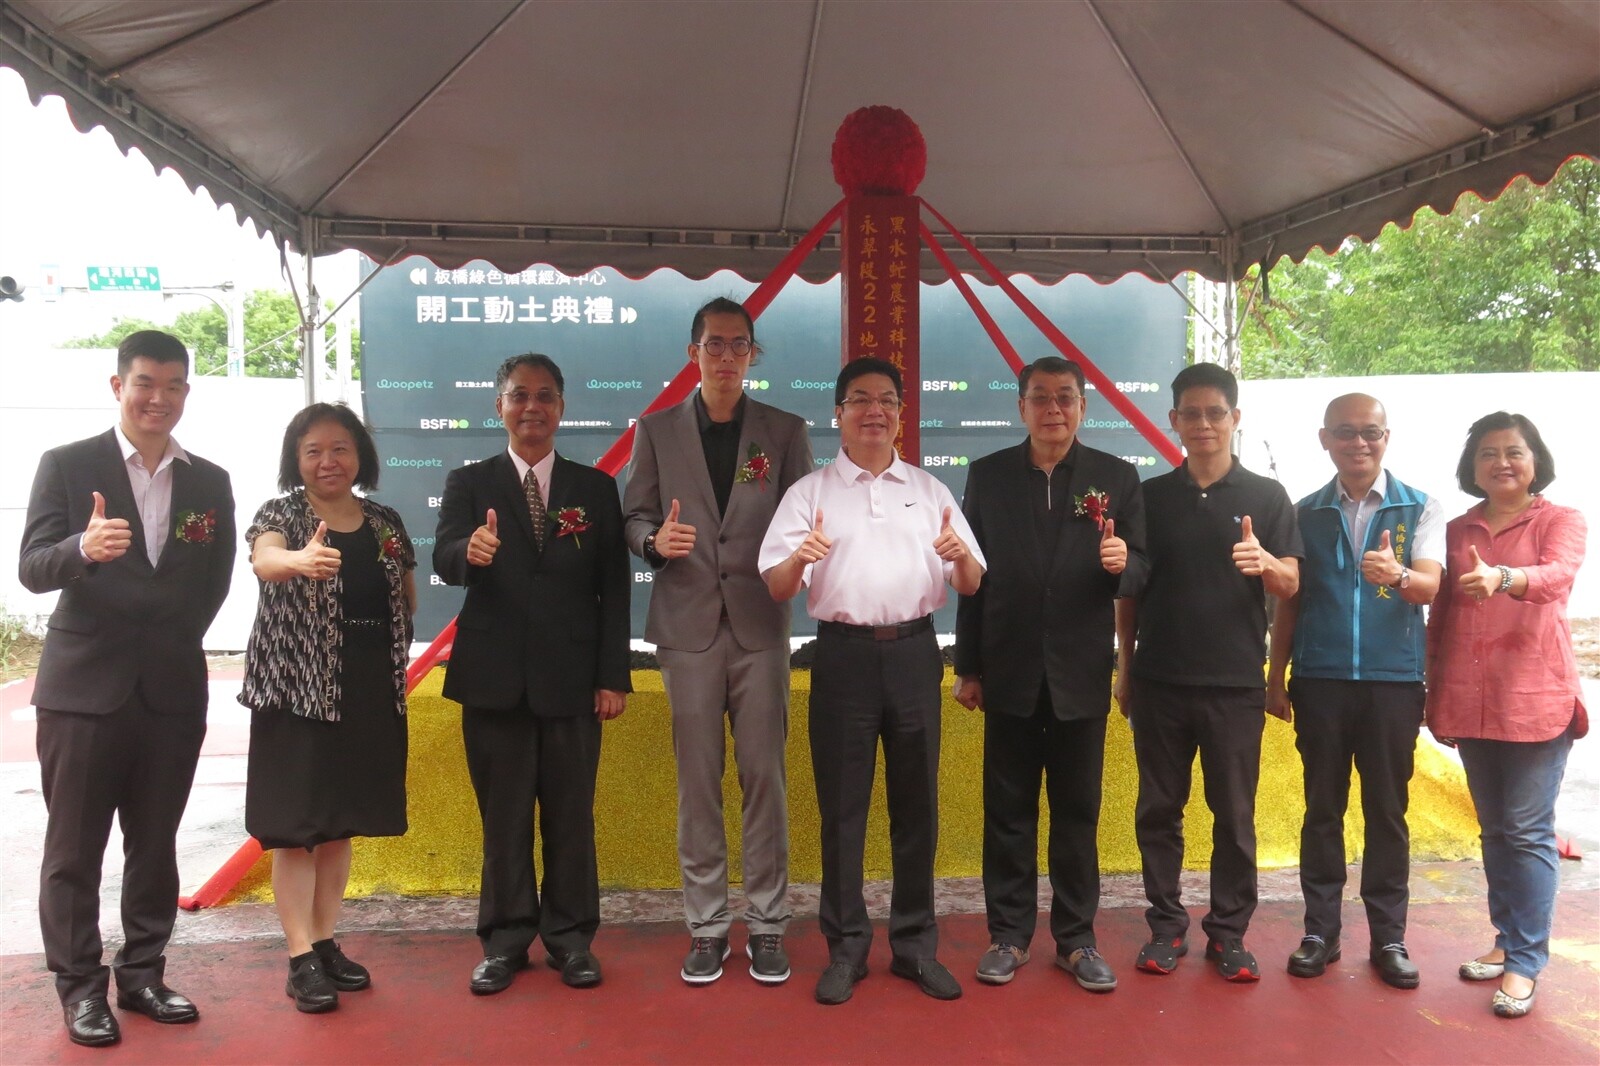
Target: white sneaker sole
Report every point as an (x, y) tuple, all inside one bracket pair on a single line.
[(765, 978), (690, 979)]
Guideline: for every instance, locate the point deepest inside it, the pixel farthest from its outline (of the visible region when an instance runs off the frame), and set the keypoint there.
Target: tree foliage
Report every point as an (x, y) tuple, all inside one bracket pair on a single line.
[(271, 336), (1509, 285)]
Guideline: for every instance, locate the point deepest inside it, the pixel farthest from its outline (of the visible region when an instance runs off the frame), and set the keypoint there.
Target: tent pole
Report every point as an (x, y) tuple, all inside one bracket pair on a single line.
[(1230, 300), (311, 334)]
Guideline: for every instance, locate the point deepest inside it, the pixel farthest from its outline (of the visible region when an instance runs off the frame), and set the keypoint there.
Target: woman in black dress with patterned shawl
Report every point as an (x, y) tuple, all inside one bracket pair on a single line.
[(325, 675)]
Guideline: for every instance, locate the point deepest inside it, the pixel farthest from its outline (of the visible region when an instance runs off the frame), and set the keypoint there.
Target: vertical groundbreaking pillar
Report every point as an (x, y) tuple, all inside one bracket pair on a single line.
[(882, 247)]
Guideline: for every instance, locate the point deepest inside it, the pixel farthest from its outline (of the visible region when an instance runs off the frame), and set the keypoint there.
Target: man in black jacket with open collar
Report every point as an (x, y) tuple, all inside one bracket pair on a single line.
[(1062, 526), (138, 536), (540, 660)]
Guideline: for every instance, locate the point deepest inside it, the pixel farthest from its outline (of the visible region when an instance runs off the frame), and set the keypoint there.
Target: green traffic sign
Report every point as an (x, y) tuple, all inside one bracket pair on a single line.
[(124, 279)]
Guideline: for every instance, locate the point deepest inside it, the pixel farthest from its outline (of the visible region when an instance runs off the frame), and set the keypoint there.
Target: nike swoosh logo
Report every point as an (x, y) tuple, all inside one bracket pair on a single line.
[(913, 503)]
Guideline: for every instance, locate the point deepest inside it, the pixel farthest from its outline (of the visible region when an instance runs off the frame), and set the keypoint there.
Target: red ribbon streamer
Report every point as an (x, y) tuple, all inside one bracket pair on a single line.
[(1137, 418), (990, 326)]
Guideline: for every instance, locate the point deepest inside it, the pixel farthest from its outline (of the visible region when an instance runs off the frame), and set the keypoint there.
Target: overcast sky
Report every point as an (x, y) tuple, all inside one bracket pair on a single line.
[(69, 200)]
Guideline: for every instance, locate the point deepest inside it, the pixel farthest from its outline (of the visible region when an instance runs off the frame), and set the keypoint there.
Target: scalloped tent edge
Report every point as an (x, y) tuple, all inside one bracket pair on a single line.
[(1535, 145)]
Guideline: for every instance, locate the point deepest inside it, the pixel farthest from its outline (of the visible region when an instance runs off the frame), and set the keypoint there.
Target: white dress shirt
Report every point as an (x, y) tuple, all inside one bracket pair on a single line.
[(1427, 540), (881, 568), (152, 493)]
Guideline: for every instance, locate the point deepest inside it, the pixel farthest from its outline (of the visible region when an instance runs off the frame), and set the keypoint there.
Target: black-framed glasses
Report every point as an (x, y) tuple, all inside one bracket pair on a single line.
[(1370, 434), (888, 404), (522, 397), (716, 346)]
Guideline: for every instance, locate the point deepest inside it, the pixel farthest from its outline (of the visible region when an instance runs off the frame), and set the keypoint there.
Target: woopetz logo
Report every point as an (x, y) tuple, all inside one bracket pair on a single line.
[(618, 386), (409, 385)]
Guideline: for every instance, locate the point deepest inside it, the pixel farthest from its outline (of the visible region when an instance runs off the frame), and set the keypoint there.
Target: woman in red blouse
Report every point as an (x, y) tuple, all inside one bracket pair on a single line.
[(1503, 684)]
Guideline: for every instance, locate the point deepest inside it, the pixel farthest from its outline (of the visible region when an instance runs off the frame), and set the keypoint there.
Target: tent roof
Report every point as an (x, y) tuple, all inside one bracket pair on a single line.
[(1075, 136)]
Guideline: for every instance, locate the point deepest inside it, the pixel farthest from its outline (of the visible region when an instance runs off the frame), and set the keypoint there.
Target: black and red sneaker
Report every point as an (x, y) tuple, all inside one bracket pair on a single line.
[(1234, 963), (1161, 955)]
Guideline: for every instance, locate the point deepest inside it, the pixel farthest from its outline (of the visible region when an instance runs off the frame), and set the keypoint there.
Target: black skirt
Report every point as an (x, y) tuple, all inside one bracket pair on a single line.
[(312, 781)]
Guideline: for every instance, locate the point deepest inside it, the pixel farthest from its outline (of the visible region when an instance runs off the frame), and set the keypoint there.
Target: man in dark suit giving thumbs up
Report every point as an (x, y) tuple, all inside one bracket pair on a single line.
[(1374, 556)]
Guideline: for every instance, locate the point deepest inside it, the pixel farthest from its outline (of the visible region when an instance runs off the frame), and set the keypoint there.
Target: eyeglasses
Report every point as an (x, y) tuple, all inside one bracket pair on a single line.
[(1370, 434), (1194, 415), (1041, 401), (522, 397), (888, 404), (716, 346)]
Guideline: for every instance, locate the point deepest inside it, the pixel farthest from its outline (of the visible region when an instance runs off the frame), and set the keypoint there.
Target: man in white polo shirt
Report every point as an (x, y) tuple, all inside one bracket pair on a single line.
[(876, 541)]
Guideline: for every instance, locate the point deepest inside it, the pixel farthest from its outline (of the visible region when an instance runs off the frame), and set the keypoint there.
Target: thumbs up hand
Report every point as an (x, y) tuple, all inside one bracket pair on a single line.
[(485, 541), (815, 547), (316, 560), (949, 546), (1113, 549), (1483, 580), (1248, 555), (674, 539), (1380, 566), (105, 539)]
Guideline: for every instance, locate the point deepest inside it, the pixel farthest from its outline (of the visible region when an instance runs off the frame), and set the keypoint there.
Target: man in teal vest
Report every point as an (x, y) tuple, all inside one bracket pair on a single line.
[(1374, 551)]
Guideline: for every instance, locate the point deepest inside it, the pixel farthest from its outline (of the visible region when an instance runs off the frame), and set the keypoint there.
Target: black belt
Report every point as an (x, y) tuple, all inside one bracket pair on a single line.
[(895, 631)]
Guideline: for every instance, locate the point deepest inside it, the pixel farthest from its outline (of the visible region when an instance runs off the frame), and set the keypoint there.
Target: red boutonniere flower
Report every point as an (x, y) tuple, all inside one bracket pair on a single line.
[(197, 528), (1092, 503), (389, 546), (570, 521), (756, 468)]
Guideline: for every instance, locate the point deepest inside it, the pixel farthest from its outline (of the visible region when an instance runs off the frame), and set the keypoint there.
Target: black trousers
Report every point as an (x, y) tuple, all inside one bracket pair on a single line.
[(862, 691), (1373, 726), (1170, 723), (519, 761), (138, 766), (1070, 757)]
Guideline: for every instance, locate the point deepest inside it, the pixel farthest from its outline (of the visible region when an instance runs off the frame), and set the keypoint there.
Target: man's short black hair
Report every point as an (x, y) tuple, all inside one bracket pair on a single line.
[(1051, 364), (720, 306), (1544, 464), (534, 359), (366, 451), (153, 344), (856, 368), (1205, 376)]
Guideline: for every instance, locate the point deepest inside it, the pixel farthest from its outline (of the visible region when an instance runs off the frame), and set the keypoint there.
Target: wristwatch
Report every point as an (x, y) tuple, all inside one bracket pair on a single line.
[(650, 542), (1404, 581)]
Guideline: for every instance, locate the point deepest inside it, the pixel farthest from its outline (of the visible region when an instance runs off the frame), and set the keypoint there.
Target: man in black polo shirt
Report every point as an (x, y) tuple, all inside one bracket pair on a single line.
[(1220, 540)]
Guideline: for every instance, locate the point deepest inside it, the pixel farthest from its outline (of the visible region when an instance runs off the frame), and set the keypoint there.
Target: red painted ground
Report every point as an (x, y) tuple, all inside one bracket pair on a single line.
[(420, 1011)]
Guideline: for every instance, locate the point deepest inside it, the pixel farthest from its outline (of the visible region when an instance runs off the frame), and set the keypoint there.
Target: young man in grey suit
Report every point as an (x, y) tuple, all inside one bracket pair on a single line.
[(706, 477), (1062, 526), (138, 536)]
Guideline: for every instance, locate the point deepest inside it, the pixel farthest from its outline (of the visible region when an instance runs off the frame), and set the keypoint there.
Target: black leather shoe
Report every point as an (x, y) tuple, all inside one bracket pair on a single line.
[(309, 986), (160, 1004), (91, 1023), (1394, 965), (579, 969), (929, 974), (495, 972), (1311, 958), (838, 982)]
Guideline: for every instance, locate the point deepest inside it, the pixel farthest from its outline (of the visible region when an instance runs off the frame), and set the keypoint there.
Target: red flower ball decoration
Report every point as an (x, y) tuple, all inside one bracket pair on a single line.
[(879, 151)]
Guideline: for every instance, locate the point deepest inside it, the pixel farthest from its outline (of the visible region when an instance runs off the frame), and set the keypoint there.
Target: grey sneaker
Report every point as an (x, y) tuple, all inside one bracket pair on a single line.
[(1000, 963), (768, 963), (703, 964), (1089, 968)]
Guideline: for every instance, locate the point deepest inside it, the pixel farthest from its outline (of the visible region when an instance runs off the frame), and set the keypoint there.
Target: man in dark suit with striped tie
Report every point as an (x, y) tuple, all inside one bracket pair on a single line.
[(540, 660)]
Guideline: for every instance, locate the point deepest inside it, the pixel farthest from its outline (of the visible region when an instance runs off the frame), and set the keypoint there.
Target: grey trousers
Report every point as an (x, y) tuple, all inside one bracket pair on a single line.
[(752, 689)]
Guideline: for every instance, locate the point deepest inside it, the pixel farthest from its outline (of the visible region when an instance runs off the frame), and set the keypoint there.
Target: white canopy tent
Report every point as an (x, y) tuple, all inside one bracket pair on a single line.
[(1077, 136)]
